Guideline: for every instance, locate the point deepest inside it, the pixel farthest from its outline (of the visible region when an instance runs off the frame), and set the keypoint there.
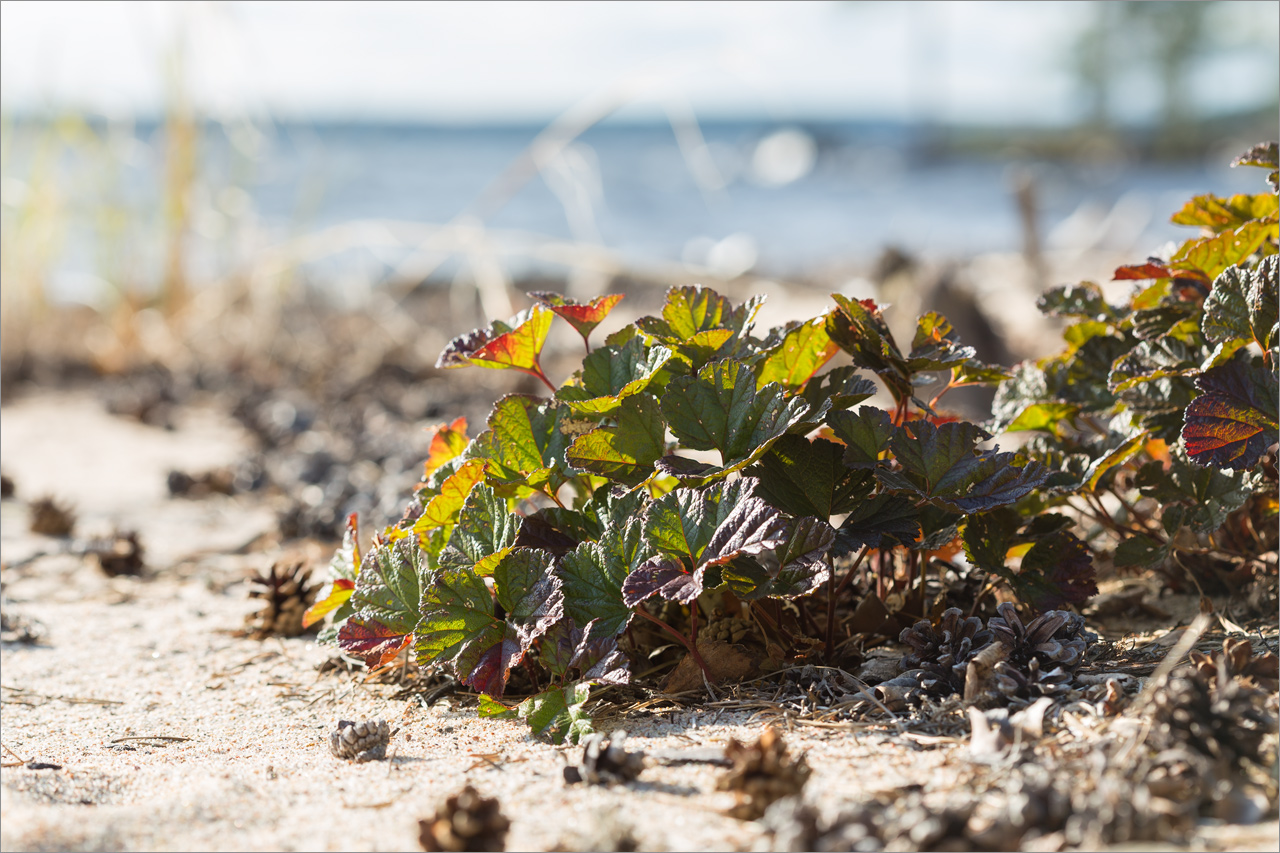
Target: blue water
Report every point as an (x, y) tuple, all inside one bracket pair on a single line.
[(869, 186), (632, 190)]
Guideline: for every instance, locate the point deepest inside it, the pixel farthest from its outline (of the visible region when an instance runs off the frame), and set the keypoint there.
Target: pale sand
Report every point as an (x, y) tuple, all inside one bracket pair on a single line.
[(256, 772)]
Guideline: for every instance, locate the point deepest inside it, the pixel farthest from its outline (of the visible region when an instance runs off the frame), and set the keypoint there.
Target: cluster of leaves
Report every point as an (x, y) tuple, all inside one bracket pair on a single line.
[(690, 454), (1170, 400)]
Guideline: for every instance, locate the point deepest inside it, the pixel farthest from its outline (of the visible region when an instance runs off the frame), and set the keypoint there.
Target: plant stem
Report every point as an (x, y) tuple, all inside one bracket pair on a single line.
[(833, 592), (684, 641), (537, 371)]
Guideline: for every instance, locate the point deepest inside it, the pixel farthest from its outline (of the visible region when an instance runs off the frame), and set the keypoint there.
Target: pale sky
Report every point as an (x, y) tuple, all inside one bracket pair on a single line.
[(527, 61)]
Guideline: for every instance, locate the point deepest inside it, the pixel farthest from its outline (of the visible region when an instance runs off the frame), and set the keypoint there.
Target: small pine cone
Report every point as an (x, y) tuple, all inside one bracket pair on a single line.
[(465, 821), (1226, 722), (119, 555), (360, 742), (605, 762), (50, 518), (761, 774), (288, 591), (1237, 661), (1043, 655), (943, 652)]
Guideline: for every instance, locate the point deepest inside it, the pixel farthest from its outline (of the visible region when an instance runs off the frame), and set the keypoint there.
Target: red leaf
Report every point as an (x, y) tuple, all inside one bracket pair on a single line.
[(339, 592), (1142, 271), (583, 317), (516, 344), (447, 441), (369, 639), (1233, 422)]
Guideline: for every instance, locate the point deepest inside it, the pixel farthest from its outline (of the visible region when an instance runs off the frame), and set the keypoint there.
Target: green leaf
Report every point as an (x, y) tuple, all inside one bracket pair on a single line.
[(566, 648), (720, 409), (1263, 154), (935, 346), (805, 477), (524, 444), (1161, 358), (883, 519), (1057, 570), (1233, 422), (593, 574), (1046, 417), (486, 531), (1141, 551), (1084, 300), (838, 388), (988, 538), (626, 451), (584, 317), (385, 601), (799, 353), (516, 344), (1243, 305), (933, 457), (861, 332), (1207, 495), (443, 509), (1212, 255), (1118, 456), (528, 593), (691, 530), (459, 625), (1219, 214), (558, 713), (866, 434), (613, 373), (795, 568), (694, 309)]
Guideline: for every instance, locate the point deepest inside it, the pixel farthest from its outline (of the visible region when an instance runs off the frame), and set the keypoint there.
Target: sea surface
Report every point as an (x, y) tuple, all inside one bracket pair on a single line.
[(731, 197)]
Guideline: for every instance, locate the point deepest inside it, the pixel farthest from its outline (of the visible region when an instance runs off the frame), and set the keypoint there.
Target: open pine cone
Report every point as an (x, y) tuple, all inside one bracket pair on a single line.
[(762, 773), (943, 652), (1225, 721), (288, 592), (1042, 656), (51, 518), (465, 821), (360, 742), (120, 554), (605, 761), (1238, 660)]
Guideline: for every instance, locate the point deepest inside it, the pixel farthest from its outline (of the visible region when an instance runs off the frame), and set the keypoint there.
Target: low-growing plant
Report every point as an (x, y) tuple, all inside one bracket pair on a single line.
[(690, 454)]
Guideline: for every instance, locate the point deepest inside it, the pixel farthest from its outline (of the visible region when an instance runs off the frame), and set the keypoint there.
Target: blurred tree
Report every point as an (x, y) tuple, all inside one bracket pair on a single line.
[(1163, 40)]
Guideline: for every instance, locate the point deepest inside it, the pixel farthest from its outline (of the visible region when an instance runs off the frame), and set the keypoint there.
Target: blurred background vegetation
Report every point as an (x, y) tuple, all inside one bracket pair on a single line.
[(173, 173)]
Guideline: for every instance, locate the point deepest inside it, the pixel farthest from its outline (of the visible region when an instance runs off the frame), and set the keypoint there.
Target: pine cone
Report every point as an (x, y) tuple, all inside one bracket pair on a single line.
[(1226, 722), (6, 487), (944, 652), (121, 554), (288, 591), (1237, 657), (605, 762), (761, 774), (360, 742), (50, 518), (731, 629), (465, 821), (1041, 657)]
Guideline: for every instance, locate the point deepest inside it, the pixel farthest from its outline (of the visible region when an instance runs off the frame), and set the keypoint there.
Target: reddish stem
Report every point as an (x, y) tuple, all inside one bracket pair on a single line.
[(684, 641), (537, 371)]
